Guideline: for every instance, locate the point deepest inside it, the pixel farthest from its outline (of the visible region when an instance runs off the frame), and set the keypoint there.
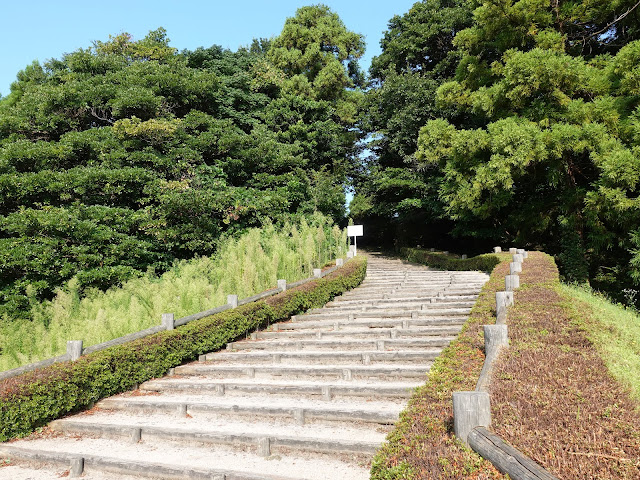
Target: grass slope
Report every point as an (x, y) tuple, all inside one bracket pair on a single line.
[(615, 331)]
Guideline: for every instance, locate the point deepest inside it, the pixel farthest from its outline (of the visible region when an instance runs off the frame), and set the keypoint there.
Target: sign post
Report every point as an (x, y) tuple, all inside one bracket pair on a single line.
[(354, 231)]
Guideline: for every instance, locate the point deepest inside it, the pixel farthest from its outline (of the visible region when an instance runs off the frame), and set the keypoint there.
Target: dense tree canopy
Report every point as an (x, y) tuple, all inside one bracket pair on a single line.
[(531, 138), (417, 55), (128, 154)]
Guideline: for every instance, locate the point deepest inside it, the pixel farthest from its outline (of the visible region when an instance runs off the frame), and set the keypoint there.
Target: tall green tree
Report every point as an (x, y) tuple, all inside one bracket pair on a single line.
[(542, 151), (395, 200), (128, 154), (318, 54)]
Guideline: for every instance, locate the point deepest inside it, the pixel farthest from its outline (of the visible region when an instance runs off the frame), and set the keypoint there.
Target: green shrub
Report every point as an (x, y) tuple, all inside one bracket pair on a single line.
[(244, 266), (33, 399), (484, 263)]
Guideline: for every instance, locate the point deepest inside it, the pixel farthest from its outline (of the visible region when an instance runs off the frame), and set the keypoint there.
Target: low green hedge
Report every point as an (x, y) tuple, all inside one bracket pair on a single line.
[(484, 263), (33, 399)]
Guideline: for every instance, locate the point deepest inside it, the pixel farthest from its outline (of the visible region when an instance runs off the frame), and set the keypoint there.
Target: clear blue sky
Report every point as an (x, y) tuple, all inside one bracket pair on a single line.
[(44, 29)]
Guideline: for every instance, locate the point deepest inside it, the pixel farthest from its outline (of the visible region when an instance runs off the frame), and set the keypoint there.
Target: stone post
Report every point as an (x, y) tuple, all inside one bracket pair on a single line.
[(497, 249), (282, 285), (232, 300), (74, 349), (518, 258), (495, 336), (168, 321), (464, 256), (511, 282), (317, 273), (503, 300), (515, 268), (339, 262)]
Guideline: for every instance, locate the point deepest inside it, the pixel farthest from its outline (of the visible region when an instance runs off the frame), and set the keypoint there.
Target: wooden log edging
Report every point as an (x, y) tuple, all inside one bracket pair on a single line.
[(472, 410), (72, 345), (505, 458)]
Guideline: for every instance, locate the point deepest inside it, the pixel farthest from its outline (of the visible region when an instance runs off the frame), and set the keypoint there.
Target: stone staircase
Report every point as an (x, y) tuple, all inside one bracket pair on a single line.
[(311, 399)]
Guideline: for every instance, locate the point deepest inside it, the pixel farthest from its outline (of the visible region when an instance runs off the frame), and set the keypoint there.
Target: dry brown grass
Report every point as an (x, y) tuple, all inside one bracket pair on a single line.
[(552, 397)]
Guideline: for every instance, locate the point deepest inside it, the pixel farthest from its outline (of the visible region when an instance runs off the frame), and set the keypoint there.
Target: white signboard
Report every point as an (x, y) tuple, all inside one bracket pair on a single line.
[(354, 231)]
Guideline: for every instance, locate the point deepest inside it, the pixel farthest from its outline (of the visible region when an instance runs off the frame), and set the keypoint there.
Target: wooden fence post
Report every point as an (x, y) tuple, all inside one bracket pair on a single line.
[(470, 410), (74, 349)]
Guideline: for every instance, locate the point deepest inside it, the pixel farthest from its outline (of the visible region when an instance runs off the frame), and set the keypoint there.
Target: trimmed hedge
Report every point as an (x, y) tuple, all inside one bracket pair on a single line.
[(484, 263), (35, 398)]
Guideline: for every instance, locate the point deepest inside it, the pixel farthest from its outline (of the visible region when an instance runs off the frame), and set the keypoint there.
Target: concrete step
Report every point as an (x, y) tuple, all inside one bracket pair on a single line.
[(371, 292), (329, 331), (295, 409), (373, 323), (346, 372), (266, 442), (119, 459), (326, 390), (400, 306), (393, 300), (366, 357), (390, 313), (358, 344)]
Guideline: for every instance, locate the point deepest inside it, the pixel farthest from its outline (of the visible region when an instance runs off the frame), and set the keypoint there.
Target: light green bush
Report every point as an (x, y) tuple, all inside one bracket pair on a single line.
[(244, 266)]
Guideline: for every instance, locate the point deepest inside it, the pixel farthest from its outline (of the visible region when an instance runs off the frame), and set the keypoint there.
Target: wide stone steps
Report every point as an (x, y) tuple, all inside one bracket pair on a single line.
[(355, 344), (380, 332), (390, 291), (117, 460), (294, 409), (239, 436), (323, 389), (346, 372), (366, 357), (400, 301), (399, 306), (307, 399), (439, 311), (374, 323)]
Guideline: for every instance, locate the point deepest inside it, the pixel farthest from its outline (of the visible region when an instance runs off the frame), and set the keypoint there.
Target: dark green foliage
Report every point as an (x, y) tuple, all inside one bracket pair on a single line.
[(33, 399), (421, 40), (403, 204), (129, 155), (530, 128), (484, 263)]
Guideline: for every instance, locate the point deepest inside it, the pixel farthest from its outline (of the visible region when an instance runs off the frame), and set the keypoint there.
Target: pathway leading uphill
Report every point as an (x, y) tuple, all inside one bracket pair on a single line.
[(311, 399)]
